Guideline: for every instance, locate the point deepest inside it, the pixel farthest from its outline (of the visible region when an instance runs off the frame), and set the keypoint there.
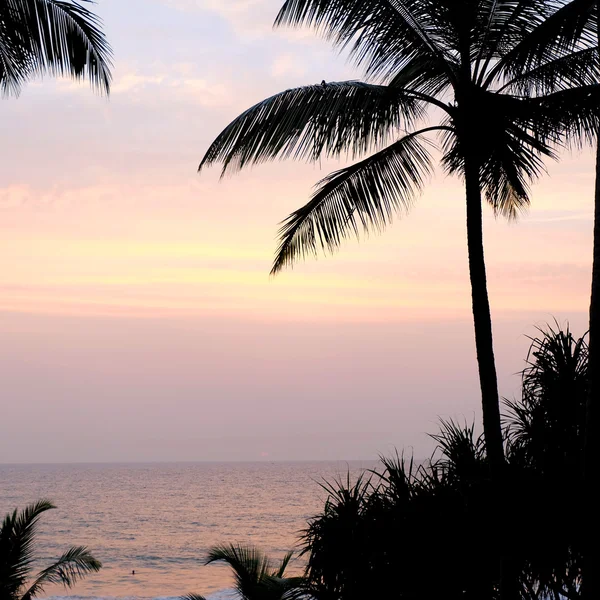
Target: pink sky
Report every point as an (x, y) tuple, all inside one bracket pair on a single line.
[(137, 315)]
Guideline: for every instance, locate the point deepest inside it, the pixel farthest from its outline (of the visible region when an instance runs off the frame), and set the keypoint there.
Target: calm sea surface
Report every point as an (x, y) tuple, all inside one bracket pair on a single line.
[(160, 519)]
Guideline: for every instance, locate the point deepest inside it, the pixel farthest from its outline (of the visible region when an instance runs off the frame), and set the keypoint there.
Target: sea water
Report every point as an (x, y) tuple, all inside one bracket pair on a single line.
[(159, 520)]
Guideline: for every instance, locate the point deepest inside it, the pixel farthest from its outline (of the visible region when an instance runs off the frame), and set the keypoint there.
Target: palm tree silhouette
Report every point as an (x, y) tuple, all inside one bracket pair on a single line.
[(255, 577), (61, 38), (500, 99), (17, 539)]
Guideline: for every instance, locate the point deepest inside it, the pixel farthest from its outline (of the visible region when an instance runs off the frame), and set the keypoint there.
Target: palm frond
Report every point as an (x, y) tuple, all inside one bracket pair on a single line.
[(513, 164), (365, 194), (570, 28), (382, 35), (74, 564), (50, 36), (575, 69), (311, 121), (249, 564), (503, 25), (572, 114), (422, 74), (285, 561), (17, 535)]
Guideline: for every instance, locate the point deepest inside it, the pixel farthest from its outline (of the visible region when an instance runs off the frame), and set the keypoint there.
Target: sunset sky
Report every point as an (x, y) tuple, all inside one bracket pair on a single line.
[(138, 319)]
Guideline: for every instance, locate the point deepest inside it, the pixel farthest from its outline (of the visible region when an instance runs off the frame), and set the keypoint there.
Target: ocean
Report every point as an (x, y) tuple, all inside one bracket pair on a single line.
[(159, 520)]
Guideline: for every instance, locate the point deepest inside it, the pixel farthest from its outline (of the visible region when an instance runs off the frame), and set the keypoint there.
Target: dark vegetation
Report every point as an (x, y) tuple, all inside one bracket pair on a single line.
[(17, 557), (424, 532)]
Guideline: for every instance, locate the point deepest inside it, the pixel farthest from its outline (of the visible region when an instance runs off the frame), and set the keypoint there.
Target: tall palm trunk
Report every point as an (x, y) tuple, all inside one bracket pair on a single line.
[(591, 566), (492, 428), (488, 381), (591, 574)]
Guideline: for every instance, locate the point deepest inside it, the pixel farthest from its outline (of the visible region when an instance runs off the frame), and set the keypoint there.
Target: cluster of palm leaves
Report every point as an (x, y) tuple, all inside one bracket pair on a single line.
[(17, 557), (255, 576), (426, 532)]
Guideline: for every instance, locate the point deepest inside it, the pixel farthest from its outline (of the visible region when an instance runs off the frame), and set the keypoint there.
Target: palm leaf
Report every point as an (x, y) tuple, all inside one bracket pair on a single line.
[(17, 535), (249, 564), (383, 35), (309, 121), (51, 36), (571, 114), (506, 23), (285, 561), (570, 28), (366, 194), (74, 564), (575, 69)]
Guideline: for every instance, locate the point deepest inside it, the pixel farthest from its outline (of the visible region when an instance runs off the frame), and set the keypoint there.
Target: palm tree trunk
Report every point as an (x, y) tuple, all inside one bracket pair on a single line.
[(591, 450), (488, 381), (591, 565), (492, 427)]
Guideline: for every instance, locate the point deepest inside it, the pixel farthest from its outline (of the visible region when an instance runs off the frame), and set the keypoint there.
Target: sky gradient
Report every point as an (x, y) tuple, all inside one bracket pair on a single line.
[(137, 315)]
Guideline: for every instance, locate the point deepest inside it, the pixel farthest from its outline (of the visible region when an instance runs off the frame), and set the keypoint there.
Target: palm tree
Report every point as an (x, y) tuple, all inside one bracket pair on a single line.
[(591, 588), (59, 37), (500, 99), (17, 538), (255, 577)]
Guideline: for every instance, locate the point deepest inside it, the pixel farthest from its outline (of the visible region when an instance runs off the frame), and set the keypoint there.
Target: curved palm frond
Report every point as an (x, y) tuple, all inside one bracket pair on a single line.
[(513, 165), (575, 69), (571, 114), (424, 75), (570, 28), (74, 564), (254, 577), (503, 25), (51, 36), (17, 535), (310, 121), (383, 35), (249, 565), (366, 194)]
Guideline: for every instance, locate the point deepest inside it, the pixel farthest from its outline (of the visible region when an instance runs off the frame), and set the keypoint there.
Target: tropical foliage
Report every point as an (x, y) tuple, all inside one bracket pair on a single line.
[(59, 37), (255, 576), (17, 556), (500, 84), (422, 531)]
